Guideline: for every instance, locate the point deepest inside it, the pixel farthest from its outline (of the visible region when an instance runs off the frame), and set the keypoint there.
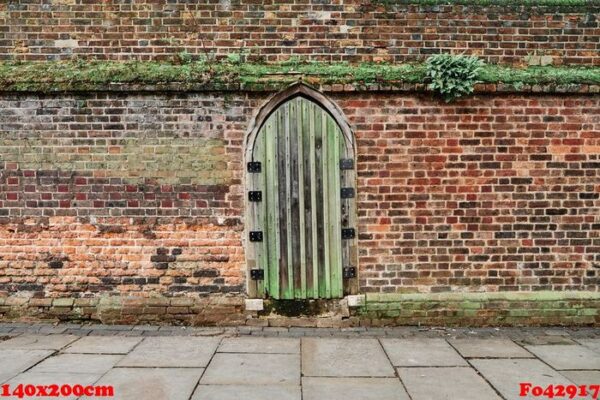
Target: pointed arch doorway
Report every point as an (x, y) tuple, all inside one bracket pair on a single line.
[(300, 199)]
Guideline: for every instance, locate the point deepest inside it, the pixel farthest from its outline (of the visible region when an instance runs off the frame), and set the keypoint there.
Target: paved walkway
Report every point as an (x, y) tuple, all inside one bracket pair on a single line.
[(147, 362)]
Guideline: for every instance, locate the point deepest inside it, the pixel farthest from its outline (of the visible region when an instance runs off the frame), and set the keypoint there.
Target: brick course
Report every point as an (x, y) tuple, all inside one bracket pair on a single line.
[(337, 30)]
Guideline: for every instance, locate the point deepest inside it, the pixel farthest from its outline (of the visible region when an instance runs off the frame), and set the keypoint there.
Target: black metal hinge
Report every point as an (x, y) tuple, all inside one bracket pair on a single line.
[(254, 166), (346, 163), (256, 236), (257, 274), (348, 233), (349, 272), (255, 195), (347, 193)]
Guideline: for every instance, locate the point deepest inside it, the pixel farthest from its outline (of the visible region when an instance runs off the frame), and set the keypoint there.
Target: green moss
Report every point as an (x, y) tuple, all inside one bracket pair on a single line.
[(100, 75)]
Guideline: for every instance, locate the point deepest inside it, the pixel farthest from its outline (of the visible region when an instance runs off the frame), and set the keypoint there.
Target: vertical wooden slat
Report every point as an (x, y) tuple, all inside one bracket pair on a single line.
[(259, 209), (319, 197), (325, 202), (289, 288), (282, 192), (294, 157), (300, 156), (345, 181), (313, 201), (335, 229), (272, 199)]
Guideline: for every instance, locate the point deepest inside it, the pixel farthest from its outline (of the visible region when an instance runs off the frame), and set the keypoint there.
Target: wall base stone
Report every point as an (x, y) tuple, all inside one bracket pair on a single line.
[(544, 308), (483, 309)]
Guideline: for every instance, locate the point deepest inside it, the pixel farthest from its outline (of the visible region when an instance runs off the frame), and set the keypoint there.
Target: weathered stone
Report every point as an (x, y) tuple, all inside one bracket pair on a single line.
[(353, 389), (260, 345), (38, 342), (344, 358), (172, 352), (250, 392), (445, 383), (54, 378), (506, 375), (77, 364), (489, 348), (16, 361), (253, 369), (567, 356), (422, 353), (103, 345), (152, 383)]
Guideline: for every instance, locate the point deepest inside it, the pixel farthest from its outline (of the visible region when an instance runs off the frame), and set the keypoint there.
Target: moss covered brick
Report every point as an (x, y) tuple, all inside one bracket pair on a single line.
[(94, 75)]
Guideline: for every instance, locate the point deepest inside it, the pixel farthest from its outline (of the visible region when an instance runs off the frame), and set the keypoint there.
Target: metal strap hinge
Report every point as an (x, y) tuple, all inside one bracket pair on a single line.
[(257, 274), (346, 163), (255, 195), (254, 166), (256, 236), (347, 193), (349, 272), (348, 233)]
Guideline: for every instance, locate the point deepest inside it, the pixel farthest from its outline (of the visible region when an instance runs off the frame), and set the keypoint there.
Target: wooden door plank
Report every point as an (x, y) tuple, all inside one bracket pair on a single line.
[(319, 155), (293, 157), (300, 110), (335, 208), (325, 204), (345, 181), (259, 209), (289, 287), (272, 199), (313, 200), (282, 193)]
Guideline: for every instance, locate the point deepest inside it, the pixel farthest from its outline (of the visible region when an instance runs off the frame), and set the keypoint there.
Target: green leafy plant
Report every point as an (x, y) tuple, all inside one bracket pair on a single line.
[(452, 76)]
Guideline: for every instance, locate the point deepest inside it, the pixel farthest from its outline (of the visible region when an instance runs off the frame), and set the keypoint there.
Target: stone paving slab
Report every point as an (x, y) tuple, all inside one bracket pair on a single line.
[(489, 348), (422, 353), (567, 356), (38, 342), (314, 388), (446, 383), (253, 369), (506, 374), (593, 344), (544, 340), (172, 352), (78, 363), (247, 392), (14, 362), (260, 345), (152, 383), (54, 378), (103, 345), (344, 358), (583, 377)]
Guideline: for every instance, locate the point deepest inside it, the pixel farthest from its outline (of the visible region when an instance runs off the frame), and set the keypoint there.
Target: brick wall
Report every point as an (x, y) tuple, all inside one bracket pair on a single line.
[(115, 193), (335, 30), (492, 193)]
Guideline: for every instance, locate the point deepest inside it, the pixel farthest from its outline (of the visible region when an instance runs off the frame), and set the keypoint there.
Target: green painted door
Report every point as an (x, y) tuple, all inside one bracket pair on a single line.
[(300, 213)]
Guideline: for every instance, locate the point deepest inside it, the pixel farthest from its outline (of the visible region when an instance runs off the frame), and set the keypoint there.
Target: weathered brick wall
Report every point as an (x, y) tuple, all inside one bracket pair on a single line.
[(335, 30), (492, 193), (108, 193)]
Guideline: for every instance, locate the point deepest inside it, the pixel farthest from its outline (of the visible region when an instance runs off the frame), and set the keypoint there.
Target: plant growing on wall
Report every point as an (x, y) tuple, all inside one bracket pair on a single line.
[(452, 76)]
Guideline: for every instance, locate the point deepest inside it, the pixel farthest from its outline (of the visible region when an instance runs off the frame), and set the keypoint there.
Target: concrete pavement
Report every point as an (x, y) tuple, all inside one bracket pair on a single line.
[(236, 363)]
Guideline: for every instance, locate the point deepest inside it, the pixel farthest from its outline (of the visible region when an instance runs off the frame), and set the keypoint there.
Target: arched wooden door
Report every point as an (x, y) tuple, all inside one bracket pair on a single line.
[(300, 200)]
